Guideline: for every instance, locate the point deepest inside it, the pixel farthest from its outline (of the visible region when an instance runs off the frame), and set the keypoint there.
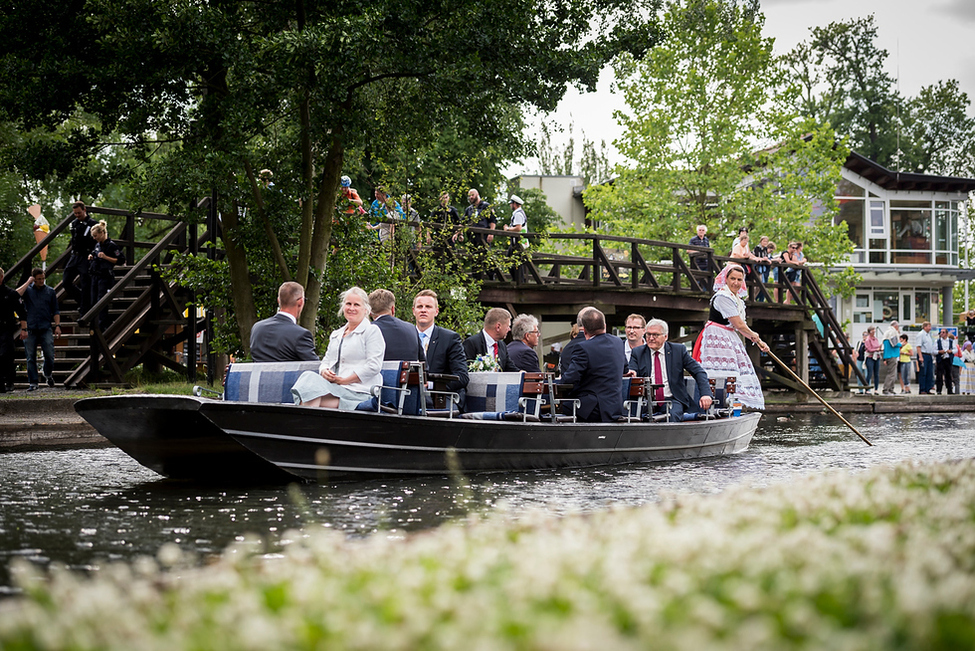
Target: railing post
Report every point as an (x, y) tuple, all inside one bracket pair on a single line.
[(596, 273)]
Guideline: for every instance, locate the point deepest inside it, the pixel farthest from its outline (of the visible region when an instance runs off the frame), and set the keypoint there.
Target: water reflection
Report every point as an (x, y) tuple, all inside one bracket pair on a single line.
[(83, 507)]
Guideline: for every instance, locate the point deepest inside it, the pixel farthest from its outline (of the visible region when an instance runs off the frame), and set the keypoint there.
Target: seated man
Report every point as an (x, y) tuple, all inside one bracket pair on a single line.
[(280, 338), (490, 340), (595, 371), (524, 335), (442, 347), (402, 341), (665, 363)]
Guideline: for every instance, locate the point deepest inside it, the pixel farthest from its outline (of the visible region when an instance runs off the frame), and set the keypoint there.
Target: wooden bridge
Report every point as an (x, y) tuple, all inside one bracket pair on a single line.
[(151, 325)]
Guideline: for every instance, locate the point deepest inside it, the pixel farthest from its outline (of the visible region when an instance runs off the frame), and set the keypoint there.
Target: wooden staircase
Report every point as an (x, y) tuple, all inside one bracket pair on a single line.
[(149, 320)]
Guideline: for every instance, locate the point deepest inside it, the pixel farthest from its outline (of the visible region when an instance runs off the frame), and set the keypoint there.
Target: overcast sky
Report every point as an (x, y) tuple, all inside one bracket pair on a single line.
[(927, 40)]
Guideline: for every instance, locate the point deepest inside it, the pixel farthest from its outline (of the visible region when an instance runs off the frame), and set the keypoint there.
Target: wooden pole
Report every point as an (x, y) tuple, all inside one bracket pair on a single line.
[(817, 396)]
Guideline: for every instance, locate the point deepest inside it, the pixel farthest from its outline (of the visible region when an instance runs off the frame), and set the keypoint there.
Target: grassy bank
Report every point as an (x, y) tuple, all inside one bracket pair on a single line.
[(879, 560)]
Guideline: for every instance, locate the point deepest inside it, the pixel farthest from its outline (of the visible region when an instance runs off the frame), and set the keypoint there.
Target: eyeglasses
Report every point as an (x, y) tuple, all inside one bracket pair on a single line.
[(633, 328), (654, 335)]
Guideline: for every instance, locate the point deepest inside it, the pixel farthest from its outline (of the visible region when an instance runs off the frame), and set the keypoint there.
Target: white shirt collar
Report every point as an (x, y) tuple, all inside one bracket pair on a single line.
[(289, 315)]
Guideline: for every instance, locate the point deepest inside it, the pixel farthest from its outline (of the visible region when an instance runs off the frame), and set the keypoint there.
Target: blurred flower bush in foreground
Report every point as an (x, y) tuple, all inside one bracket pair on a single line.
[(878, 560)]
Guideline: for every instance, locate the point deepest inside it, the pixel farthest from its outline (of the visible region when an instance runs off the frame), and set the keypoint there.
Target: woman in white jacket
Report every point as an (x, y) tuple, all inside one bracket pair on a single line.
[(353, 361)]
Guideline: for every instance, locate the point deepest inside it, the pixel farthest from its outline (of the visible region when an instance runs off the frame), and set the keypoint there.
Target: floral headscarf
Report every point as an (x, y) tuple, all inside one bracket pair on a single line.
[(722, 280)]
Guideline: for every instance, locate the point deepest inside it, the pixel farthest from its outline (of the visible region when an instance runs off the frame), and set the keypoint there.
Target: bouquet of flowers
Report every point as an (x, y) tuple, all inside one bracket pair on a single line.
[(483, 364)]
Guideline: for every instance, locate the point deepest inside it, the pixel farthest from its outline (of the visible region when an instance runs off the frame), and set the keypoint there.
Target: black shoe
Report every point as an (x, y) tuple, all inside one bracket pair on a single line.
[(32, 387), (50, 381)]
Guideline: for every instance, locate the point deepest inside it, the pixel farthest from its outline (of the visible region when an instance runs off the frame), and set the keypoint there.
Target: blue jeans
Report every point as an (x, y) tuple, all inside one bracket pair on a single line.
[(873, 372), (46, 338)]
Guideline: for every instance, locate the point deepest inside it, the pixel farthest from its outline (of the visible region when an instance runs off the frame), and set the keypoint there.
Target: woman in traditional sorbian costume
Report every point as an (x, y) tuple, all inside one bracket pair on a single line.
[(719, 349)]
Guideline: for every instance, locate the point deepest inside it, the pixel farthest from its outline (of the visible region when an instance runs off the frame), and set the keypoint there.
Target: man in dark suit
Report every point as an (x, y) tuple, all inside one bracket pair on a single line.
[(524, 338), (402, 342), (490, 340), (596, 370), (674, 360), (442, 347), (280, 338)]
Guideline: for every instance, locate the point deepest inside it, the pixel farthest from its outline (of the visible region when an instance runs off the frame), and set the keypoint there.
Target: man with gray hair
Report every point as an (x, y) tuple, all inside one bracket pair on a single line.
[(892, 354), (664, 363), (524, 335)]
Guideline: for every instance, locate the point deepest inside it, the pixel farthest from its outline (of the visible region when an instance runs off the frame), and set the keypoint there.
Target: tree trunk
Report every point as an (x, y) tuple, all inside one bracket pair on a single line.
[(324, 212), (239, 279)]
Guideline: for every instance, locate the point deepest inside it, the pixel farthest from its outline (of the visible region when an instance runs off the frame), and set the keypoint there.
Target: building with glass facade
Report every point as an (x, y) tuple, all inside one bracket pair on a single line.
[(905, 229)]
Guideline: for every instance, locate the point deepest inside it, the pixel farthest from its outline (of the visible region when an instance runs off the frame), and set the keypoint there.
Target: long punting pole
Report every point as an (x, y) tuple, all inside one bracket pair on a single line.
[(817, 396)]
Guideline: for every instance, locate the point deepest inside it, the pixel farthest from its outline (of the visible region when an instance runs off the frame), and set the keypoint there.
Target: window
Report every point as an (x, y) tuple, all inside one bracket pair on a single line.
[(886, 306), (849, 189), (878, 225)]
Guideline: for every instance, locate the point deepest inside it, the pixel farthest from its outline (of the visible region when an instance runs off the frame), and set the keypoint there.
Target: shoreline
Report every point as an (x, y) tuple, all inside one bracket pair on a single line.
[(49, 421)]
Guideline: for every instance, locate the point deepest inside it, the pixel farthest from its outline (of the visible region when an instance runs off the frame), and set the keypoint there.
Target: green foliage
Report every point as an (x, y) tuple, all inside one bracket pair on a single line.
[(210, 280), (593, 163), (699, 105)]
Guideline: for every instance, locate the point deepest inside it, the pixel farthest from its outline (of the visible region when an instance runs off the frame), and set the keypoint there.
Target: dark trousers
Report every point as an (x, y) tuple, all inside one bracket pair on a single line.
[(873, 373), (926, 376), (7, 344), (944, 374), (676, 411), (99, 287), (80, 293)]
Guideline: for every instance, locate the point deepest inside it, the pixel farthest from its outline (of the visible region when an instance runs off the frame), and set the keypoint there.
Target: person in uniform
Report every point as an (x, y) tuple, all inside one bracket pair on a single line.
[(102, 262)]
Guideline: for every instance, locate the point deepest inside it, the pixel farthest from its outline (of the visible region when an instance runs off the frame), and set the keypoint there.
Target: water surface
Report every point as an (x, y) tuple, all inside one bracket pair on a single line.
[(84, 507)]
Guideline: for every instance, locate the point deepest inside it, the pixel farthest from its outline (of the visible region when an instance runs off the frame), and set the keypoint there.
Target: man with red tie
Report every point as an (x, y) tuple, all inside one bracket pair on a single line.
[(664, 363), (490, 340)]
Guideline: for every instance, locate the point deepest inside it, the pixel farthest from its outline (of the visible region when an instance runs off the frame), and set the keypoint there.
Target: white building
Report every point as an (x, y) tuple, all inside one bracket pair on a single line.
[(905, 228)]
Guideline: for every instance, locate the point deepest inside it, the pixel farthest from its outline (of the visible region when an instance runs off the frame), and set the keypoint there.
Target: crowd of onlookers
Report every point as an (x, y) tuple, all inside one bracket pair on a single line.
[(939, 362)]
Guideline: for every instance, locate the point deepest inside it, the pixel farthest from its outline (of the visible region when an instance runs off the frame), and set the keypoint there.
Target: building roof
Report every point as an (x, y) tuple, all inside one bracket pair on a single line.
[(885, 178)]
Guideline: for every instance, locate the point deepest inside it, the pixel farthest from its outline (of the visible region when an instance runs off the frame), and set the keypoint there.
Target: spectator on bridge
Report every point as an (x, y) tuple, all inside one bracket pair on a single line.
[(762, 255), (719, 348), (383, 209), (349, 200), (519, 224), (700, 260), (742, 251), (480, 214), (524, 335), (353, 361), (741, 231)]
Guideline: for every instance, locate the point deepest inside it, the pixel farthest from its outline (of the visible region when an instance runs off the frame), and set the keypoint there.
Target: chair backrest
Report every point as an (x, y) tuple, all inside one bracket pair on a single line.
[(268, 382), (493, 392)]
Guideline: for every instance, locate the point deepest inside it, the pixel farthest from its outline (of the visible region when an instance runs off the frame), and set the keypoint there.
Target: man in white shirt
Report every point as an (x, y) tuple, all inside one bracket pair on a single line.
[(945, 349), (925, 357), (490, 340), (636, 326), (442, 348)]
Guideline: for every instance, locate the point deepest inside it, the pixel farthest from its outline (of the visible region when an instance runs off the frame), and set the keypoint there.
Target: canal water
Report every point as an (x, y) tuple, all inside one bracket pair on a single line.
[(84, 507)]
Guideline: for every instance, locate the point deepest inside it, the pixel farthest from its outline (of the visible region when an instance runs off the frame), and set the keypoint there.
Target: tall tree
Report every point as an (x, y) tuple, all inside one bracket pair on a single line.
[(939, 133), (227, 84), (699, 107)]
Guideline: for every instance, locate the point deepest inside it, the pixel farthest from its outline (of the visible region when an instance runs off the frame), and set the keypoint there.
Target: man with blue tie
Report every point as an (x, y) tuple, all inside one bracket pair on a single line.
[(664, 363), (442, 347), (596, 370)]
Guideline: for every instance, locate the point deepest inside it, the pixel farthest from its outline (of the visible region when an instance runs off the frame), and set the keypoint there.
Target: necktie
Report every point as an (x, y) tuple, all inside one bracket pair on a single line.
[(495, 350), (658, 393), (424, 340)]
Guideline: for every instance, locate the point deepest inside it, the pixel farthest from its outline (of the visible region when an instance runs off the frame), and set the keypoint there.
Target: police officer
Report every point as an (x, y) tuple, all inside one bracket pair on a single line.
[(82, 244), (103, 259)]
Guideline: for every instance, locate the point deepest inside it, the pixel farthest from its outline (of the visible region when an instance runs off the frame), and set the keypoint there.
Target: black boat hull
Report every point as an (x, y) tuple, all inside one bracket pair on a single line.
[(320, 445), (169, 435)]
